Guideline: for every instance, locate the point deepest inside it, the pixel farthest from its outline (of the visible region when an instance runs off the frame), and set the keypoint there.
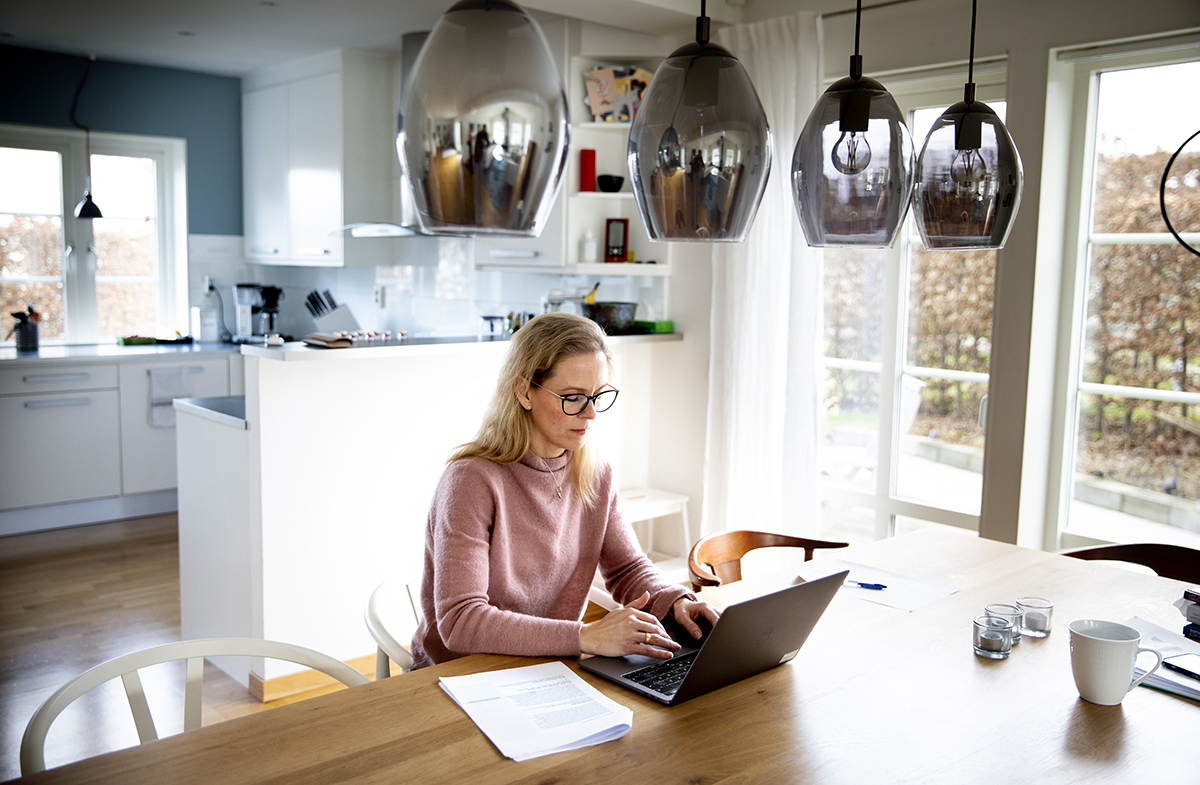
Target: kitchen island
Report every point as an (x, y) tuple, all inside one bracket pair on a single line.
[(341, 450)]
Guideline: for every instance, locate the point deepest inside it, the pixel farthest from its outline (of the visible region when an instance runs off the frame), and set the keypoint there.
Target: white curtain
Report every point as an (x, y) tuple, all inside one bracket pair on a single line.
[(764, 377)]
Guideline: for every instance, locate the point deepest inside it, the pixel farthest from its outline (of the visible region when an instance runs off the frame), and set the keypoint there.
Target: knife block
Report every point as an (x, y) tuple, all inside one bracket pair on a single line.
[(338, 320)]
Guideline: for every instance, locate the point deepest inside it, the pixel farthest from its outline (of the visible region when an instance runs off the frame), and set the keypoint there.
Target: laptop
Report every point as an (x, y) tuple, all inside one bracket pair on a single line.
[(749, 638)]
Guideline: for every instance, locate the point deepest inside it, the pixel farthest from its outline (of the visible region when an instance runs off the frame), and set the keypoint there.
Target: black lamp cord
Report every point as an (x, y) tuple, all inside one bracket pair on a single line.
[(87, 69), (1162, 194), (969, 90)]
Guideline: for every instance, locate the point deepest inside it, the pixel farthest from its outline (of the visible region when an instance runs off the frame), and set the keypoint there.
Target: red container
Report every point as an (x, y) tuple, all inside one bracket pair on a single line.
[(587, 170)]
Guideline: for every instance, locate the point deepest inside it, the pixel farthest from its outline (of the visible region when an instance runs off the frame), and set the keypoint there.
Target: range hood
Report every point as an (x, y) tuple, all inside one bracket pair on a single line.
[(408, 226)]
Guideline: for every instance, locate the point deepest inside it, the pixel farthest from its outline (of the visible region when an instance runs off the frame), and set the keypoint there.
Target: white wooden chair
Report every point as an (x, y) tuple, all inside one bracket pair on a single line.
[(194, 651), (392, 614)]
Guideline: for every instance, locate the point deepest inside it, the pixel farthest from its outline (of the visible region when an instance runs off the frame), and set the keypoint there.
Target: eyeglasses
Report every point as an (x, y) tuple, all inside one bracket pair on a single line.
[(576, 402)]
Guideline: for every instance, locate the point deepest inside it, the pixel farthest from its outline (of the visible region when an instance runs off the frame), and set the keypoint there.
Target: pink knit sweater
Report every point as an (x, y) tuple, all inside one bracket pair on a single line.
[(508, 563)]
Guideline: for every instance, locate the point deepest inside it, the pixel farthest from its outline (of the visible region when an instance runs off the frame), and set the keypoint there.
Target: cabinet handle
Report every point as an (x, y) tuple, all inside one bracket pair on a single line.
[(313, 252), (57, 404), (57, 377), (264, 250), (499, 253)]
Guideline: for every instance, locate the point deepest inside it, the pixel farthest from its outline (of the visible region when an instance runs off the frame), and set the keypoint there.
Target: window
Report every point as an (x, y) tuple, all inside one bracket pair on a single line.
[(1131, 442), (93, 280), (907, 347)]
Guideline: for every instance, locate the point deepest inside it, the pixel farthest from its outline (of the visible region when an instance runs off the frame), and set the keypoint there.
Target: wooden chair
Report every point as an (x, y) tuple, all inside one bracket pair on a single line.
[(717, 558), (127, 666), (1169, 561), (392, 613)]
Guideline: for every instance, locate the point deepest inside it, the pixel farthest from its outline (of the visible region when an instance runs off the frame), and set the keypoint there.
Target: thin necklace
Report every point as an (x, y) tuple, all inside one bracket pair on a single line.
[(557, 484)]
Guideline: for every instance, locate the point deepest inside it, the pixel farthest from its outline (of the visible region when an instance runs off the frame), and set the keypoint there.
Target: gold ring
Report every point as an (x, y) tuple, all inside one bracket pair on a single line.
[(647, 638)]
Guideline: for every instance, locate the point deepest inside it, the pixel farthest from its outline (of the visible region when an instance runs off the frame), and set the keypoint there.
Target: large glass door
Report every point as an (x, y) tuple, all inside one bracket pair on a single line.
[(907, 347), (1133, 453)]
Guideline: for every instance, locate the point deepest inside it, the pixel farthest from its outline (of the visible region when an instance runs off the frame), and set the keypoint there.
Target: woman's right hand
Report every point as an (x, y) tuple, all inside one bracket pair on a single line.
[(628, 630)]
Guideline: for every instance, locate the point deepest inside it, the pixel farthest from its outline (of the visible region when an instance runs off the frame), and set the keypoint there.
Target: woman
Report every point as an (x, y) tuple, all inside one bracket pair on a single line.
[(525, 513)]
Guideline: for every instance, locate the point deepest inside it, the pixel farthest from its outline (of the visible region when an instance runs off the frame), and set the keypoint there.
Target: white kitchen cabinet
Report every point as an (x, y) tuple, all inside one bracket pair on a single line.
[(60, 435), (148, 452), (318, 140), (265, 174)]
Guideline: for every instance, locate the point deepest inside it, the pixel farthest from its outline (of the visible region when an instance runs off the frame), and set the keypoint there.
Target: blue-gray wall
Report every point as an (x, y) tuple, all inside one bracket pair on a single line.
[(36, 88)]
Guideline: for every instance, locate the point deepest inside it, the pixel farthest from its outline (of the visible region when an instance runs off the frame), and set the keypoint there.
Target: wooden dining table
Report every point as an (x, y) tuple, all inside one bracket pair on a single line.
[(876, 695)]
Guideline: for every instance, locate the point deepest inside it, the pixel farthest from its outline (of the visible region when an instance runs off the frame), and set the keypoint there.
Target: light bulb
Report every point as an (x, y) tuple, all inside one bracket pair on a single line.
[(967, 168), (851, 154)]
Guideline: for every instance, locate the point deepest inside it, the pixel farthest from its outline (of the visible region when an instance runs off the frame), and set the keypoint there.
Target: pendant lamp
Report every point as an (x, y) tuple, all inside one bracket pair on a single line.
[(852, 166), (485, 133), (968, 175), (699, 146), (86, 207)]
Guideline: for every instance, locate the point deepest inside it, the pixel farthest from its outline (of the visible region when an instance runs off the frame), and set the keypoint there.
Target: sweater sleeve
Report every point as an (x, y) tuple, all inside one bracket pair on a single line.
[(467, 622), (626, 570)]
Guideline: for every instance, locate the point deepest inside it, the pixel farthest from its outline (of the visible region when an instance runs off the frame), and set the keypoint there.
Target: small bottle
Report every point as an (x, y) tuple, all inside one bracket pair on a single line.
[(588, 253)]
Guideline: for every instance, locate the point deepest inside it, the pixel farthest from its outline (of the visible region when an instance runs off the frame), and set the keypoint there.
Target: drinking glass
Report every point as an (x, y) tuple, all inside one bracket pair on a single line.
[(1009, 612), (1036, 616), (992, 637)]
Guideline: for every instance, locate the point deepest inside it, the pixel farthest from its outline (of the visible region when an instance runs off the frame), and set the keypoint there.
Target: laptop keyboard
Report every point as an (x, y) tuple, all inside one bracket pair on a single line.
[(663, 677)]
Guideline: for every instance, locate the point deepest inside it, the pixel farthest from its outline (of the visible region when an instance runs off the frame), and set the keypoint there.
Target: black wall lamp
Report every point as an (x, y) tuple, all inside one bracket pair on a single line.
[(86, 207)]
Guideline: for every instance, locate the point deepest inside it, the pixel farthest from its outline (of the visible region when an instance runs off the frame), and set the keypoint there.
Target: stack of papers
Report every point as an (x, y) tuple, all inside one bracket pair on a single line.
[(907, 594), (1155, 637), (538, 710)]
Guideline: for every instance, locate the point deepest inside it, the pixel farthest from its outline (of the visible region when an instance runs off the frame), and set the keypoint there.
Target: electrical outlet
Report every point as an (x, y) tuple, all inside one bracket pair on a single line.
[(208, 284), (380, 295)]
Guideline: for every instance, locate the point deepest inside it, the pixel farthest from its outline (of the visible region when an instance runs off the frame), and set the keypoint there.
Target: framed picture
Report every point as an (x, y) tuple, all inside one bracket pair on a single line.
[(616, 240)]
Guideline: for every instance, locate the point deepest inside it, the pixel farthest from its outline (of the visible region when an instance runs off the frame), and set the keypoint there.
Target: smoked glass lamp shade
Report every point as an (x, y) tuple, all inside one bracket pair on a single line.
[(87, 208), (485, 133), (699, 148), (968, 180), (852, 167)]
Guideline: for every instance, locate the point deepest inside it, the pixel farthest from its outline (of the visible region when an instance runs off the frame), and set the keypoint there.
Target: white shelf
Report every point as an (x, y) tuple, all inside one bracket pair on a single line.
[(616, 268), (601, 126), (602, 195)]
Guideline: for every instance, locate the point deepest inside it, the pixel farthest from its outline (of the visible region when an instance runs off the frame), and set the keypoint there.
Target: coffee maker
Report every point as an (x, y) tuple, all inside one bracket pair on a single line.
[(268, 314), (247, 302)]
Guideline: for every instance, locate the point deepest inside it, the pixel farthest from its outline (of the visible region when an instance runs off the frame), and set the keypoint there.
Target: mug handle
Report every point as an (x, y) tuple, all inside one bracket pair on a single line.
[(1146, 675)]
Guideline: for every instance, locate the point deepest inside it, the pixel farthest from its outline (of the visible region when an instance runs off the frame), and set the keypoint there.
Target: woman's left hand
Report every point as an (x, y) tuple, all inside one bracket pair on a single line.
[(686, 611)]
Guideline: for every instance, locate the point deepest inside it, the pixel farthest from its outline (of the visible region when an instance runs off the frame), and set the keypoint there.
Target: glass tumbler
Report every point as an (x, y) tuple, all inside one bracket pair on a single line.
[(1010, 612), (1036, 616), (992, 637)]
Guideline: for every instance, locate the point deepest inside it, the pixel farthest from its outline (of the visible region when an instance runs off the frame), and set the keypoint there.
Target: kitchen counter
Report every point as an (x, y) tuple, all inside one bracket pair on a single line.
[(106, 352), (225, 409), (411, 347)]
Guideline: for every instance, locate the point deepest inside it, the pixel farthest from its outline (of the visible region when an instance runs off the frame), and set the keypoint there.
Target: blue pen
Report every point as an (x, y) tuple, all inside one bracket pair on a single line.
[(862, 585)]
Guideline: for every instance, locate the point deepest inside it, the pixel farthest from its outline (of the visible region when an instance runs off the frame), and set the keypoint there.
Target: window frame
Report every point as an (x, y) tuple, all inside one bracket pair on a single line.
[(1075, 74), (79, 262), (913, 89)]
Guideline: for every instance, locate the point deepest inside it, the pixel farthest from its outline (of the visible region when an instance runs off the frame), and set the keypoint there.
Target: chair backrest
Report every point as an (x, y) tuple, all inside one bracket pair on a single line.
[(717, 558), (194, 651), (1169, 561), (392, 614)]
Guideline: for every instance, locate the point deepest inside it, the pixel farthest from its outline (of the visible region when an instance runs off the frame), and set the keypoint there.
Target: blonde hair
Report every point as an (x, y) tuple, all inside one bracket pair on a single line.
[(534, 353)]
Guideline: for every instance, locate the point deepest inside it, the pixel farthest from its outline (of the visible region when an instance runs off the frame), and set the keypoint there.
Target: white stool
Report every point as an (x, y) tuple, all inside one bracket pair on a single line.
[(647, 504)]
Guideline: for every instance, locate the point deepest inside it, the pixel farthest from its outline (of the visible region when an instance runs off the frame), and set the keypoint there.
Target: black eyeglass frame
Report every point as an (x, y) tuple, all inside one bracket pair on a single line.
[(562, 400)]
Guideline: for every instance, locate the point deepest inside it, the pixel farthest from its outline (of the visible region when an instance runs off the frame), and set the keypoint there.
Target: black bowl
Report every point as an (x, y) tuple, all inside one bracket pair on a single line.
[(610, 183), (613, 317)]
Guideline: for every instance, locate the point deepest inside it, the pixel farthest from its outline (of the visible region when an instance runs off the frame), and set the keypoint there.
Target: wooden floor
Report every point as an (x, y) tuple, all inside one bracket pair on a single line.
[(73, 598)]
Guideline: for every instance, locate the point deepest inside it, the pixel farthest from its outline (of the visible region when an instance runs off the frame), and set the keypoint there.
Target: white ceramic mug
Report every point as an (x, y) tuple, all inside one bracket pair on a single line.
[(1102, 658)]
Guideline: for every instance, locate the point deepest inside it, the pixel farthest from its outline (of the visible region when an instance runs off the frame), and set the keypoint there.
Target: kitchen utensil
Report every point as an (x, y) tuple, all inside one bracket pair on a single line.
[(318, 305), (329, 299), (613, 317)]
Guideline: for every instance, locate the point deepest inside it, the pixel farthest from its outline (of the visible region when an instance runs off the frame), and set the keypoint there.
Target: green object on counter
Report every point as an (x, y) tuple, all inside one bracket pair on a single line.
[(658, 327), (135, 340)]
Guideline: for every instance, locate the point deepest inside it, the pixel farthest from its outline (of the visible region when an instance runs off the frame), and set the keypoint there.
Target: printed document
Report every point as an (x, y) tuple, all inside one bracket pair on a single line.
[(538, 710)]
